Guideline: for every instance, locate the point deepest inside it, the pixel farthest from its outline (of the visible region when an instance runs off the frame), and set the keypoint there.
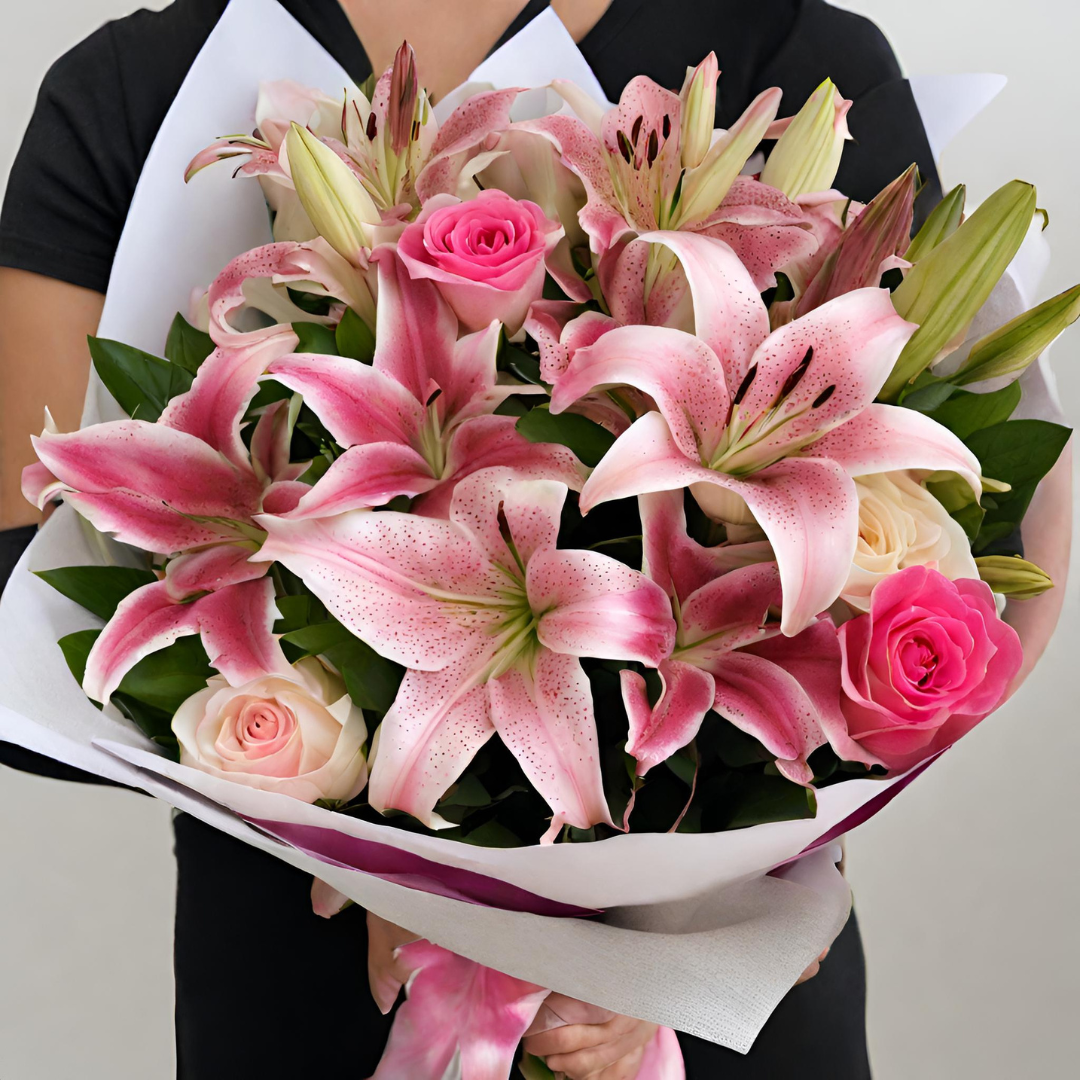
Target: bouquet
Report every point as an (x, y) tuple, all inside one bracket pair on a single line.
[(557, 475)]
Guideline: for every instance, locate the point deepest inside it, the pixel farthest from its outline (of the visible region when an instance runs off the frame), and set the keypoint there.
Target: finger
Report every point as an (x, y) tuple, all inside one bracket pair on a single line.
[(625, 1069), (809, 973), (583, 1063), (572, 1037)]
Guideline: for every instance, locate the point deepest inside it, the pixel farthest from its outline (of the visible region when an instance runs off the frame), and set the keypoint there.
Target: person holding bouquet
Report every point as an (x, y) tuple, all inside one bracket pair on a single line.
[(99, 110)]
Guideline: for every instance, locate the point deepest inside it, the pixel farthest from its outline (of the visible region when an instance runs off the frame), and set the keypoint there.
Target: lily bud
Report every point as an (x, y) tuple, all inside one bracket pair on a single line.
[(698, 111), (946, 288), (881, 230), (330, 193), (404, 89), (943, 221), (1008, 351), (1012, 576), (807, 156), (704, 189)]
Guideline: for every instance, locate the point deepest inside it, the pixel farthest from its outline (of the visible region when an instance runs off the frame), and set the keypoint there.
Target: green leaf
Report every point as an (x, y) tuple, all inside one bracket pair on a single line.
[(772, 798), (534, 1068), (354, 338), (141, 384), (588, 440), (965, 413), (97, 588), (928, 397), (167, 678), (943, 221), (1011, 349), (1019, 453), (372, 680), (295, 613), (187, 346), (154, 723), (315, 338), (947, 287), (76, 648), (520, 364)]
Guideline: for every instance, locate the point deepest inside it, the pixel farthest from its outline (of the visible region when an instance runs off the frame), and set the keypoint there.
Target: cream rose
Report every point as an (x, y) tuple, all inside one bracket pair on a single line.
[(901, 524), (299, 736)]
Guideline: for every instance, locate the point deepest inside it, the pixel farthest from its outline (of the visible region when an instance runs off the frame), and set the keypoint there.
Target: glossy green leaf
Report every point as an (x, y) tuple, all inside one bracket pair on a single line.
[(97, 588), (167, 678), (141, 384), (186, 345), (315, 338), (965, 413), (587, 439), (354, 338)]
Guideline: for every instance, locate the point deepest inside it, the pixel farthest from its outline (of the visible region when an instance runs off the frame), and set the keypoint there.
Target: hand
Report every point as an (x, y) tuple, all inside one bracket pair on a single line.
[(609, 1049), (386, 973), (812, 970)]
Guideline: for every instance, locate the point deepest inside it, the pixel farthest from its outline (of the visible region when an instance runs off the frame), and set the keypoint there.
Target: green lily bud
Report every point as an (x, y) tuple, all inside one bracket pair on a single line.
[(945, 290), (943, 221), (1008, 351), (807, 156), (330, 193), (1014, 577), (698, 111)]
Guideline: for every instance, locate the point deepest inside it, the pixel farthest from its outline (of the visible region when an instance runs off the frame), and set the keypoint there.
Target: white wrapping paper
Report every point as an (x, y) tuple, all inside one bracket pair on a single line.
[(695, 936)]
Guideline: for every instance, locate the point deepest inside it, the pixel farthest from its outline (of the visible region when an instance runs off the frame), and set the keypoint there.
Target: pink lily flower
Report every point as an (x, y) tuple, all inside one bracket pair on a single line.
[(391, 142), (729, 653), (419, 418), (647, 165), (187, 486), (456, 1007), (490, 617), (764, 426)]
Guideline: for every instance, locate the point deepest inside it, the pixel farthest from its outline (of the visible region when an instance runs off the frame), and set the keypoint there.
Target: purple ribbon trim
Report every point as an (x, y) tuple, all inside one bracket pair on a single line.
[(413, 871), (870, 808)]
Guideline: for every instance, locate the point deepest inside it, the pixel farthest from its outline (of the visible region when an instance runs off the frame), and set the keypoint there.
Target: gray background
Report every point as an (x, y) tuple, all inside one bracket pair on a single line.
[(967, 887)]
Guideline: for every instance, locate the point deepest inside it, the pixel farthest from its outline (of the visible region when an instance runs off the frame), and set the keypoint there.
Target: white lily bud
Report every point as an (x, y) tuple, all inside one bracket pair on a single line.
[(698, 111), (332, 196), (807, 156)]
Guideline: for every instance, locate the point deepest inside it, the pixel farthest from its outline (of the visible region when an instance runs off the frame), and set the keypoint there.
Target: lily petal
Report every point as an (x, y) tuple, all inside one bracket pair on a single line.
[(214, 406), (657, 732), (146, 482), (834, 360), (366, 476), (357, 403), (883, 438), (670, 365), (457, 1007), (596, 606), (465, 129), (438, 722), (545, 717), (728, 313), (386, 577)]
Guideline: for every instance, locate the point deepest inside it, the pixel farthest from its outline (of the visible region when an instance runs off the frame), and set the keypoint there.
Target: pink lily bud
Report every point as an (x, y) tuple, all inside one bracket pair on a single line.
[(404, 89), (698, 111), (880, 231)]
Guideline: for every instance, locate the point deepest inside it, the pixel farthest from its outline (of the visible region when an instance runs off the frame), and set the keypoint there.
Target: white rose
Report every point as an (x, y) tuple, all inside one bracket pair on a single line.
[(901, 524), (299, 736)]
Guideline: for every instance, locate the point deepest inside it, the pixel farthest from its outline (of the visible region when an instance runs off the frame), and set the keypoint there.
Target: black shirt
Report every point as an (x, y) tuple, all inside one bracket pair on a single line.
[(101, 104)]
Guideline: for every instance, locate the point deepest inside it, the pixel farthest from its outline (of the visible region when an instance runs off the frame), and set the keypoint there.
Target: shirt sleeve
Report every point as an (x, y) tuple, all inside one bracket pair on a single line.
[(887, 130), (73, 178)]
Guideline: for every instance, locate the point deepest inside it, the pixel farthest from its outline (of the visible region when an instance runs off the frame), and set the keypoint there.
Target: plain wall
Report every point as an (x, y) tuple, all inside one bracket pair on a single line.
[(966, 887)]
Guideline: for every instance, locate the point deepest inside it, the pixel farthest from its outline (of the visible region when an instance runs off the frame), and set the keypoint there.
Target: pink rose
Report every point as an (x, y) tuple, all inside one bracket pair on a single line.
[(486, 255), (928, 662), (299, 736)]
